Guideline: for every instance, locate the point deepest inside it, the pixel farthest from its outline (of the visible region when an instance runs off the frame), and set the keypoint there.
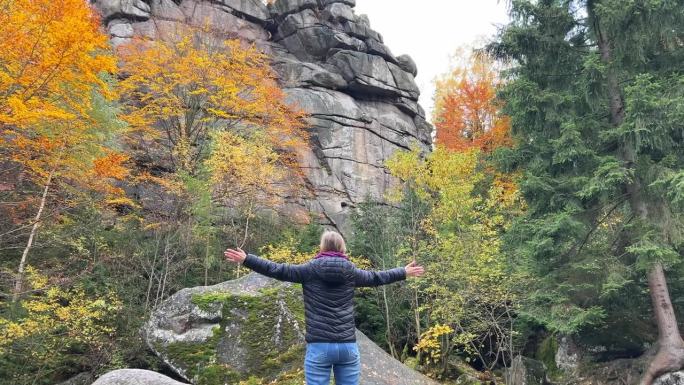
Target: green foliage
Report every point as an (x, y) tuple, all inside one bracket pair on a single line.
[(52, 329), (583, 237), (546, 353), (470, 294)]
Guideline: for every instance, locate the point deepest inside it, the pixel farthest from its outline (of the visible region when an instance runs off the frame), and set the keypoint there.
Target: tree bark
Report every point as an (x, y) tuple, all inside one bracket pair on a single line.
[(670, 353), (34, 229)]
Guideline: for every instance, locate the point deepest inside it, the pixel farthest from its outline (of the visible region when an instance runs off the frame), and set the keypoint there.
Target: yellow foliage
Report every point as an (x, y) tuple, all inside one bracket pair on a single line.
[(55, 318), (468, 287), (192, 84), (286, 252), (431, 341), (245, 171)]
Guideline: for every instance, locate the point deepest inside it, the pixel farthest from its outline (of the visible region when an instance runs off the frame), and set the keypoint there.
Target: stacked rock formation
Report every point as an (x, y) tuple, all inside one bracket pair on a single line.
[(362, 100)]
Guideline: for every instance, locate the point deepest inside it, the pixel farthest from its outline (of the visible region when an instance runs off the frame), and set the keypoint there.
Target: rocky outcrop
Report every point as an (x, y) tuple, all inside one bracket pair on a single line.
[(252, 326), (135, 377), (526, 371), (362, 99), (676, 378)]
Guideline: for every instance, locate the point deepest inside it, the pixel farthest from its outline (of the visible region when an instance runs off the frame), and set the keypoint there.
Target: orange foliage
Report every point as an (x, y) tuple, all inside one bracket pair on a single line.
[(467, 113), (52, 54), (53, 89), (193, 85)]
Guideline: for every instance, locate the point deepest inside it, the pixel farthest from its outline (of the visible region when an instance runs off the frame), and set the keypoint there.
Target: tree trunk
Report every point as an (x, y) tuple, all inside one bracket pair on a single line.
[(388, 324), (670, 354), (34, 229)]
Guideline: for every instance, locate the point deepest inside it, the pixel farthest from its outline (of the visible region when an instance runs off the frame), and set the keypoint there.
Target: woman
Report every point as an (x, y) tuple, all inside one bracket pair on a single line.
[(328, 283)]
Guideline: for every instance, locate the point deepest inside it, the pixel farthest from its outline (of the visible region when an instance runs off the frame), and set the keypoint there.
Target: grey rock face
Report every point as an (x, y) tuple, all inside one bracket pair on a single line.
[(252, 9), (568, 354), (133, 9), (526, 371), (371, 74), (245, 327), (351, 3), (362, 100), (676, 378), (282, 8), (339, 12), (135, 377)]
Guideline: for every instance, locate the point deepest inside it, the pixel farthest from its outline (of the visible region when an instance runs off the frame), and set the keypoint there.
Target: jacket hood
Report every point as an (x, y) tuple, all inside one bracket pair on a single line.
[(334, 269)]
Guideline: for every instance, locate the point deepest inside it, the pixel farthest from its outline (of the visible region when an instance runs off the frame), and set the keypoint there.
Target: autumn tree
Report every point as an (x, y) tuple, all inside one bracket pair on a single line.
[(181, 90), (56, 113), (596, 100), (467, 113), (208, 117), (470, 298)]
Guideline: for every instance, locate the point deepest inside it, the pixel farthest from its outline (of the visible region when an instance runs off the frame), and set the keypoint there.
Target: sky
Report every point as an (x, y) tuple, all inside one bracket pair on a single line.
[(431, 31)]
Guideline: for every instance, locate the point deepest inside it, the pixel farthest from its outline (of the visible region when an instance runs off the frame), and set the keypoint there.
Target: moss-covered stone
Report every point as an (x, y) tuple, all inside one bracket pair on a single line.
[(250, 331), (546, 353), (260, 334)]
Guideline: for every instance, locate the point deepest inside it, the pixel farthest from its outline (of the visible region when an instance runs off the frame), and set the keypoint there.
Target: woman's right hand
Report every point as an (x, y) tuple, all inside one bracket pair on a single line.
[(414, 270), (235, 256)]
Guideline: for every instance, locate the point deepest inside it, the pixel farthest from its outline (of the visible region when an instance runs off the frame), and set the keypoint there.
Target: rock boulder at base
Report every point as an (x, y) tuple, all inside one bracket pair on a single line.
[(135, 377), (526, 371), (250, 327), (676, 378), (133, 9)]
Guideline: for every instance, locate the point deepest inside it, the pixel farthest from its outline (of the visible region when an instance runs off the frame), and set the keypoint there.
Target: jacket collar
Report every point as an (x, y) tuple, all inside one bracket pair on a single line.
[(331, 254)]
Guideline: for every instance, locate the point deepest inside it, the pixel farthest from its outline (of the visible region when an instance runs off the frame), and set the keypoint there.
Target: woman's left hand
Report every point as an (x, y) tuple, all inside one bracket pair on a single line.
[(235, 256), (414, 270)]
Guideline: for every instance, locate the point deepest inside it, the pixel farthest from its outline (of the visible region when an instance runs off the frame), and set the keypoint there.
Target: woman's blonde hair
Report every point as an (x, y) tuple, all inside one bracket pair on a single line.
[(332, 241)]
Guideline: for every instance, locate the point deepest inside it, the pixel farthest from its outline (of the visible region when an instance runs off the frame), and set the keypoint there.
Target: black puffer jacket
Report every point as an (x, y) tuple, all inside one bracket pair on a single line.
[(328, 284)]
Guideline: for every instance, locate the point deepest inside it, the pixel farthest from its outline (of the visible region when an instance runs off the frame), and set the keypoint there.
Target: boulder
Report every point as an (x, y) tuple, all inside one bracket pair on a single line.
[(135, 377), (676, 378), (568, 355), (338, 12), (377, 48), (253, 10), (526, 371), (467, 379), (249, 327), (120, 28), (132, 9), (282, 8), (371, 74), (360, 29), (293, 73), (406, 63), (297, 21)]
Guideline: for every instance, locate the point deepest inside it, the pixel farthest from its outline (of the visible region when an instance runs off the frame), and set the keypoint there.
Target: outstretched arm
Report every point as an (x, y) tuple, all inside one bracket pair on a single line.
[(280, 271), (365, 278)]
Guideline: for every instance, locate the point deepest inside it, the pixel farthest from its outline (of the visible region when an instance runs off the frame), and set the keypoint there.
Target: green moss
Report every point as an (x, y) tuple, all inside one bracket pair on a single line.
[(546, 353), (267, 334)]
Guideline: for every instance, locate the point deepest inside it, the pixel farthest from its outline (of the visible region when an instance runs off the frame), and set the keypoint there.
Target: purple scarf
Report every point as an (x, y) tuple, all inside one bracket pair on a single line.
[(331, 254)]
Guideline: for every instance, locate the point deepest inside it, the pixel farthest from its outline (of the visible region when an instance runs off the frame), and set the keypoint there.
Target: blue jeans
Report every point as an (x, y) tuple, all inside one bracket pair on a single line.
[(342, 358)]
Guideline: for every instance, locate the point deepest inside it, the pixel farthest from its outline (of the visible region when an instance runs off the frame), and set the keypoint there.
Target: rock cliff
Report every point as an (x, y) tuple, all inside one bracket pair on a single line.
[(250, 327), (362, 99)]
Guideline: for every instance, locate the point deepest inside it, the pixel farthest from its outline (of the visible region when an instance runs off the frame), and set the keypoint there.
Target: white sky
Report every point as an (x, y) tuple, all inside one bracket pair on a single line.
[(432, 30)]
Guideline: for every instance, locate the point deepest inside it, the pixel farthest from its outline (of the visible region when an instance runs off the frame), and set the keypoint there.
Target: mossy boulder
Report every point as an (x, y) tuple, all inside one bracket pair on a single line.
[(250, 329)]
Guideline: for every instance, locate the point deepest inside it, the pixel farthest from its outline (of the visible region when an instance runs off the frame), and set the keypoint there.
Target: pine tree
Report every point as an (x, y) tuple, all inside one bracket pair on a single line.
[(597, 104)]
